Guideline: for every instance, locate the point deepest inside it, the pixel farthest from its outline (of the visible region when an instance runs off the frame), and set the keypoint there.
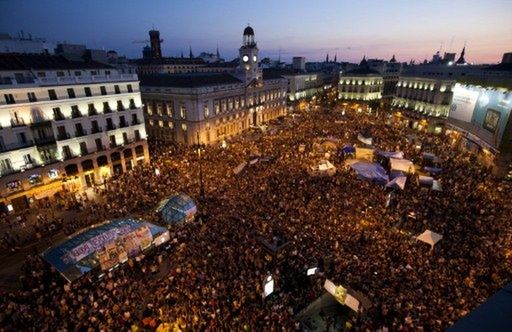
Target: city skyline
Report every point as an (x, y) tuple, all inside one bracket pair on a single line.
[(290, 29)]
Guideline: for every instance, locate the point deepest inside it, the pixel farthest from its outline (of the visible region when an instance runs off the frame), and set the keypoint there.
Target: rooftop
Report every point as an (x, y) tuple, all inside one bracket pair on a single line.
[(17, 61), (170, 61), (190, 80)]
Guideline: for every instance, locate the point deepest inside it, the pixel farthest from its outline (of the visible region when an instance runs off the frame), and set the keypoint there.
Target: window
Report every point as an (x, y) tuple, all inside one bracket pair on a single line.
[(160, 123), (206, 111), (75, 112), (125, 138), (110, 125), (132, 104), (91, 109), (113, 141), (116, 89), (216, 106), (184, 126), (31, 97), (94, 127), (78, 73), (87, 91), (137, 135), (79, 130), (129, 88), (120, 106), (99, 144), (94, 72), (60, 74), (9, 98), (83, 148), (66, 152), (57, 114), (71, 93), (41, 74), (183, 111), (28, 159), (107, 72), (5, 166), (103, 90), (122, 122), (52, 94), (106, 107)]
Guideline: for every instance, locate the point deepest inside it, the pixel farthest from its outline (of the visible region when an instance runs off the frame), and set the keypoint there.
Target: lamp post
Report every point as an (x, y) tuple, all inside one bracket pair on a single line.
[(201, 187)]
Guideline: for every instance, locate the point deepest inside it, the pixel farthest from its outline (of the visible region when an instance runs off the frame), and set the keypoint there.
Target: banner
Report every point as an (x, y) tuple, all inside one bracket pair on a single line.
[(463, 103), (145, 237), (96, 243)]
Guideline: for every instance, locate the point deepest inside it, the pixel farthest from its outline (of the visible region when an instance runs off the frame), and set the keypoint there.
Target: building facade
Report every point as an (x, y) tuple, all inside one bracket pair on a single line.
[(65, 125), (211, 107), (426, 96), (361, 84)]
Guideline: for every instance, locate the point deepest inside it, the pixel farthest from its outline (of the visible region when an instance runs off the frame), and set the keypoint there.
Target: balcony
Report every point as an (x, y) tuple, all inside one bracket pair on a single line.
[(101, 148), (111, 127), (45, 140), (92, 112), (123, 125), (67, 156), (76, 114), (80, 133), (96, 130), (120, 108), (63, 136), (42, 123), (107, 110), (132, 106), (59, 117), (17, 123), (135, 122), (113, 145), (16, 146)]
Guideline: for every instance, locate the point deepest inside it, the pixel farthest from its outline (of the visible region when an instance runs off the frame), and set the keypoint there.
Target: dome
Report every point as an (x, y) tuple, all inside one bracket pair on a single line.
[(248, 31)]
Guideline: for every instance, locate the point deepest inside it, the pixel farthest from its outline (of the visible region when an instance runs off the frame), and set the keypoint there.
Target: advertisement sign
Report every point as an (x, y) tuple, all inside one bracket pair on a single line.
[(491, 120), (463, 103)]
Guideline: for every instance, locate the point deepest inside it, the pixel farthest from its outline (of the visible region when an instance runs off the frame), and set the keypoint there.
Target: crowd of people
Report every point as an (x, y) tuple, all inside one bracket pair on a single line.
[(211, 276)]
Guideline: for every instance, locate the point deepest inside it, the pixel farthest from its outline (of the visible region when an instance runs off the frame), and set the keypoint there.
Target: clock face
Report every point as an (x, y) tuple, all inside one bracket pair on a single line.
[(254, 58), (245, 58)]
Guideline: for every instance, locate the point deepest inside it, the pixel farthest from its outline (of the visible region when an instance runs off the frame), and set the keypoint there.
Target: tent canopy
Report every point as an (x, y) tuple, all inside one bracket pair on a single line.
[(177, 209), (364, 153), (429, 237), (323, 168), (76, 255), (391, 154), (364, 138), (370, 171), (397, 183), (402, 165), (347, 148)]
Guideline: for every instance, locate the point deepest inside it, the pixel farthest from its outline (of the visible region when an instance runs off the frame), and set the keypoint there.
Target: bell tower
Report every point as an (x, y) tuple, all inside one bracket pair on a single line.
[(248, 66)]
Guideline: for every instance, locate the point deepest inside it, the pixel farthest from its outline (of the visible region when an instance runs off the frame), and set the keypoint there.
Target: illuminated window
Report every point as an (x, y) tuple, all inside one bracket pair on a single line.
[(206, 111), (183, 111), (151, 122), (160, 123), (184, 126), (216, 105), (171, 125)]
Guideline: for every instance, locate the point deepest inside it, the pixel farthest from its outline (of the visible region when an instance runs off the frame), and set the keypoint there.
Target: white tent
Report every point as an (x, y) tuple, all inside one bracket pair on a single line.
[(398, 182), (426, 180), (365, 140), (403, 165), (429, 237), (324, 168)]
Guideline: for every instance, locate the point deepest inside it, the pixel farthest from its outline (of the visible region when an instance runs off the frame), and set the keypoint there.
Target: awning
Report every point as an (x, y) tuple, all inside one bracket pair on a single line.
[(429, 237)]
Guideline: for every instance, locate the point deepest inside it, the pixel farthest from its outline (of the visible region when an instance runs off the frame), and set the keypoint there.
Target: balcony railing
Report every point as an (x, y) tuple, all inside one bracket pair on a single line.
[(80, 133), (111, 127), (59, 117), (45, 140), (92, 112), (107, 110), (17, 123), (123, 125), (96, 130), (61, 137), (135, 122), (16, 146)]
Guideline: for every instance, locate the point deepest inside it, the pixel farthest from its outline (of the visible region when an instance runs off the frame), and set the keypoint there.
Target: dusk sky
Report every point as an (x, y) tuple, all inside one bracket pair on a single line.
[(379, 29)]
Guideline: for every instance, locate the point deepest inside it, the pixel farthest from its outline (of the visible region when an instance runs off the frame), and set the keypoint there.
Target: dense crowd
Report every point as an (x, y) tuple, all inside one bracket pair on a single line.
[(211, 276)]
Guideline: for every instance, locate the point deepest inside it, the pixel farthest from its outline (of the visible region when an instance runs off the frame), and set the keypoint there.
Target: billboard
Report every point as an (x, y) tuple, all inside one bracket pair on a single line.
[(492, 112), (463, 103)]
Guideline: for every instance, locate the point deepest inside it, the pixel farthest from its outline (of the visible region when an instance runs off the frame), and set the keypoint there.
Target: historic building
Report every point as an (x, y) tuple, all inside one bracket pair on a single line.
[(361, 84), (213, 106), (65, 125)]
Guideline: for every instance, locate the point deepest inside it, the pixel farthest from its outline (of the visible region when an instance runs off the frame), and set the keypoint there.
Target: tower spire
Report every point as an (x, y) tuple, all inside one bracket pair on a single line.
[(190, 55), (218, 54), (335, 57), (327, 57)]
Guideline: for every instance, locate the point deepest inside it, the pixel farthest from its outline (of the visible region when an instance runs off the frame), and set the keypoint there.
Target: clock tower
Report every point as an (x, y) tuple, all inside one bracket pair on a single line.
[(249, 68)]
